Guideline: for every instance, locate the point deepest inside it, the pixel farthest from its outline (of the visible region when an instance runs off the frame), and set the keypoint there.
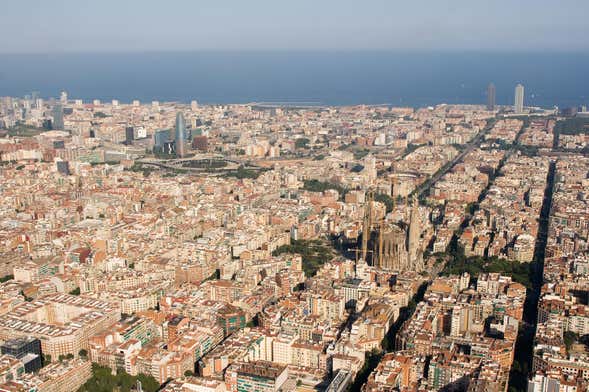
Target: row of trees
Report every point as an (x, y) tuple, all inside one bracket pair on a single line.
[(242, 172), (6, 278), (103, 380), (322, 186), (459, 263)]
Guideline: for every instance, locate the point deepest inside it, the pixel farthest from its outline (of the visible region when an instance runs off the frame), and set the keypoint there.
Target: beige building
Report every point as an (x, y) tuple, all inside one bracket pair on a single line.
[(62, 322)]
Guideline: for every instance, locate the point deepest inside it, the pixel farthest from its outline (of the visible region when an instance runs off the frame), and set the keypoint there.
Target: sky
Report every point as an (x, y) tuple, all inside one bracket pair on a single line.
[(42, 26)]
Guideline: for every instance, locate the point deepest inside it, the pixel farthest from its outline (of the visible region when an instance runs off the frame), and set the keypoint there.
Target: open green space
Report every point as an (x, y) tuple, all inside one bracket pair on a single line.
[(314, 253)]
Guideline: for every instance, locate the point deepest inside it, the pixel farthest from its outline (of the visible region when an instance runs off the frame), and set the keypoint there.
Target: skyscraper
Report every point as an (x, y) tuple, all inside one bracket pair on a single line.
[(34, 98), (161, 137), (518, 106), (491, 97), (180, 138), (57, 117), (129, 135)]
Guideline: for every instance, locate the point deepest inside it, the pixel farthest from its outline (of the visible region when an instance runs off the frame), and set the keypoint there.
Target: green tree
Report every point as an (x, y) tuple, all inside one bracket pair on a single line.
[(359, 154), (569, 339), (103, 380), (386, 200), (28, 299), (458, 263), (6, 278), (313, 254), (320, 186), (242, 172), (372, 360), (302, 142)]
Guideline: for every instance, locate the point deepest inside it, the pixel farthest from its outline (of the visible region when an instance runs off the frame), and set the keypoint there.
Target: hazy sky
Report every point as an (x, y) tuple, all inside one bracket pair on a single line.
[(144, 25)]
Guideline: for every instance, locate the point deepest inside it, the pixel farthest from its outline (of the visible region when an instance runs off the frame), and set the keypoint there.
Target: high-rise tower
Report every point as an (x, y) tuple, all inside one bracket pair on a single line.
[(57, 117), (180, 137), (491, 97), (129, 135), (518, 106)]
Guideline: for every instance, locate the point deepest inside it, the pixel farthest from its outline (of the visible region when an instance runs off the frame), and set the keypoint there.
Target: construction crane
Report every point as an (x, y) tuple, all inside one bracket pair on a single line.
[(359, 267), (357, 251)]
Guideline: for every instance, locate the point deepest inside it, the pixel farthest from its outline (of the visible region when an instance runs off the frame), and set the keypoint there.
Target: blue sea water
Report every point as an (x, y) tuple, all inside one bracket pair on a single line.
[(326, 78)]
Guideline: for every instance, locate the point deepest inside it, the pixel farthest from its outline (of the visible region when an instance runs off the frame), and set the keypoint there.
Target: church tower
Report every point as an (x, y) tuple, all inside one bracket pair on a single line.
[(413, 245)]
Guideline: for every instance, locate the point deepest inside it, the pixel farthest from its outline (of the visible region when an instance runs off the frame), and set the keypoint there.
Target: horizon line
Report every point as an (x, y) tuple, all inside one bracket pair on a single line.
[(515, 51)]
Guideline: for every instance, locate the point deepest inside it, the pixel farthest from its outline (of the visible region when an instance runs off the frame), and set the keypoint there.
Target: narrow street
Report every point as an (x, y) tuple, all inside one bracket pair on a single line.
[(524, 345)]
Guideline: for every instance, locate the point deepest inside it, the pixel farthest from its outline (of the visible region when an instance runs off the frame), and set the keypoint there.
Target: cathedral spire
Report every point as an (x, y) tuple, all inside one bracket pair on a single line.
[(413, 237)]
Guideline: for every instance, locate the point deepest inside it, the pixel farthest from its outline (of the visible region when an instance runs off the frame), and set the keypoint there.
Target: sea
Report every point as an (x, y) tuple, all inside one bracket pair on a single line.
[(303, 78)]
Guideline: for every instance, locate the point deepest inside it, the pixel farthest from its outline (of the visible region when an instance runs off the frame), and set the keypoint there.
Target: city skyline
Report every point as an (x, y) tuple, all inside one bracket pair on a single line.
[(414, 79), (225, 245), (263, 196), (490, 103)]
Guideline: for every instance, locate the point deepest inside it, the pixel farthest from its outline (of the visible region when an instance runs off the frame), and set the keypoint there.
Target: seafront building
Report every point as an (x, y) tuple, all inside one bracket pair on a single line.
[(491, 93), (518, 106)]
